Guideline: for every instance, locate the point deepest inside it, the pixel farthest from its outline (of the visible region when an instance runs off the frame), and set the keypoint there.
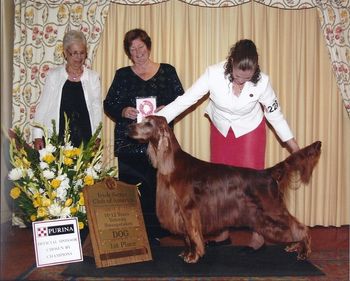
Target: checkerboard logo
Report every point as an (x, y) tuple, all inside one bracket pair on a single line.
[(42, 231)]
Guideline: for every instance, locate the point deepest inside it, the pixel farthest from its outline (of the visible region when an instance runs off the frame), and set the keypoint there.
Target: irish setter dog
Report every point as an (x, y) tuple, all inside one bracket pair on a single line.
[(196, 198)]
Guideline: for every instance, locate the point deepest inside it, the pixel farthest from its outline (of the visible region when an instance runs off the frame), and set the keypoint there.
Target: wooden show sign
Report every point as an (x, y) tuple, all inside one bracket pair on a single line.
[(116, 226)]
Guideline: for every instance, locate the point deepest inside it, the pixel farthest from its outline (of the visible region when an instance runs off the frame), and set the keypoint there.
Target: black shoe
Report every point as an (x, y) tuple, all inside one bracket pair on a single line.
[(210, 243)]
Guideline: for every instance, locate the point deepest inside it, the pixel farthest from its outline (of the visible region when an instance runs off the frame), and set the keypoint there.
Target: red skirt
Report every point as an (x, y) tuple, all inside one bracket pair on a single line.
[(246, 151)]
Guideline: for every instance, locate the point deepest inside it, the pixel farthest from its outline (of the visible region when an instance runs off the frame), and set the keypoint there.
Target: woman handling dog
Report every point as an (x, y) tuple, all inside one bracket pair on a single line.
[(240, 99)]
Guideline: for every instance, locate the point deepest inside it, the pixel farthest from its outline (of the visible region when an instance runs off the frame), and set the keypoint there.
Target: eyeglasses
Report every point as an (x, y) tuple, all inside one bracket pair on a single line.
[(77, 54)]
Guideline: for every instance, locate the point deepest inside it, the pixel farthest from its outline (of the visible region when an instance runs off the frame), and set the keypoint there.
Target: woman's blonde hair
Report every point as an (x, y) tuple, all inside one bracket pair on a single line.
[(73, 36)]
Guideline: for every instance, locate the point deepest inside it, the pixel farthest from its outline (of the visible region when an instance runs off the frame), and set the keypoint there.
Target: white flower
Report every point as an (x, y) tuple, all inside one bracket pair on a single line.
[(64, 181), (54, 210), (49, 149), (48, 174), (43, 165), (98, 167), (91, 172), (16, 174), (65, 212), (61, 193), (68, 146), (79, 183), (30, 173)]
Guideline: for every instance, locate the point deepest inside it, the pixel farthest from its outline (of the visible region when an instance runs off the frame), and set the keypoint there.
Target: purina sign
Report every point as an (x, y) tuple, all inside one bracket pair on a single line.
[(57, 242), (55, 230)]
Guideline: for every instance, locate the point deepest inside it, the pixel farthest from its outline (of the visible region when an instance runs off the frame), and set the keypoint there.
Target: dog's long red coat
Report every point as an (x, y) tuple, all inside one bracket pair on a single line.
[(196, 198)]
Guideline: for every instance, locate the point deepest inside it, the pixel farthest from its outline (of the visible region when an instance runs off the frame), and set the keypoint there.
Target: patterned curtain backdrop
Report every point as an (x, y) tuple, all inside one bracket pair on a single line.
[(285, 4), (39, 29), (40, 25), (137, 2), (335, 24)]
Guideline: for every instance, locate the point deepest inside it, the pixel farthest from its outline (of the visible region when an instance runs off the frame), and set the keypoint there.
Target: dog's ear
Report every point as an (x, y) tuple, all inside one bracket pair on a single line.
[(161, 152), (152, 153), (158, 144)]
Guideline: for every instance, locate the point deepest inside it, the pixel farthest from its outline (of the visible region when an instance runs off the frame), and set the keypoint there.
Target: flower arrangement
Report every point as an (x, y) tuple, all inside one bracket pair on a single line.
[(48, 183)]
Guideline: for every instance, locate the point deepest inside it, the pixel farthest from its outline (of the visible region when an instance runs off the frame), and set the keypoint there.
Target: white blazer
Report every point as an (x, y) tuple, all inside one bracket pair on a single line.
[(243, 113), (50, 100)]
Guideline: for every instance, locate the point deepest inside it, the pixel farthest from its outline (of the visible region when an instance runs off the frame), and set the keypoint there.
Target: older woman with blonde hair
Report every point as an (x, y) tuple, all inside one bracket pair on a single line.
[(72, 90)]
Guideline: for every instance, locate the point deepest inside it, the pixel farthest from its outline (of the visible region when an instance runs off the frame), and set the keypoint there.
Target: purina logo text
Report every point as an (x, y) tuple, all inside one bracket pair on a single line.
[(60, 229)]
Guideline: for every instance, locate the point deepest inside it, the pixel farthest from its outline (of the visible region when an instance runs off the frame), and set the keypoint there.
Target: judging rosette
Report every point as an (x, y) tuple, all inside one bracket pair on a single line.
[(146, 106)]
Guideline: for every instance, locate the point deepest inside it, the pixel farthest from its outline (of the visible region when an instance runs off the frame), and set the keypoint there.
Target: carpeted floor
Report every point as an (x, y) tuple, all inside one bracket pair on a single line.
[(217, 262), (334, 263), (330, 253)]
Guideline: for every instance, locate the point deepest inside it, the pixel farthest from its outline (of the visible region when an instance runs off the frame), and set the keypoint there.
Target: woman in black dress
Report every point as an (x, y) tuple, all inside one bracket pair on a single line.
[(144, 78), (70, 89)]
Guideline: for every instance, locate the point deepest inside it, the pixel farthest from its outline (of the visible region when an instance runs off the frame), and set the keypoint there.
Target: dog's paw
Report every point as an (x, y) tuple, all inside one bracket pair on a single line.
[(295, 247), (191, 258), (302, 256)]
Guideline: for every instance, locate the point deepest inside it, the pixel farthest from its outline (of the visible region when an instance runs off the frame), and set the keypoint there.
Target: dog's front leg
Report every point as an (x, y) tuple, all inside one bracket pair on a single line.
[(193, 238)]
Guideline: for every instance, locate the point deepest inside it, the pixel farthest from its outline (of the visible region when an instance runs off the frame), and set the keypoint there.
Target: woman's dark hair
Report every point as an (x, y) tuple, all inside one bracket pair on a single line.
[(244, 56), (133, 34)]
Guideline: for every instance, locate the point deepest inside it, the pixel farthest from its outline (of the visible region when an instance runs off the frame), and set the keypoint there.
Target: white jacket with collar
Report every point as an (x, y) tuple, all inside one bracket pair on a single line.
[(50, 100), (243, 113)]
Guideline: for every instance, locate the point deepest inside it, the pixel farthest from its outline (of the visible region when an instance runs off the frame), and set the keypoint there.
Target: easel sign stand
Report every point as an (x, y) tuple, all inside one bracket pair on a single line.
[(116, 226)]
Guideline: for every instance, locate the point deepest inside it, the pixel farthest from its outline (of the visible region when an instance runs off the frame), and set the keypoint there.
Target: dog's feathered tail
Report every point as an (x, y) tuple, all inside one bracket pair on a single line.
[(297, 168)]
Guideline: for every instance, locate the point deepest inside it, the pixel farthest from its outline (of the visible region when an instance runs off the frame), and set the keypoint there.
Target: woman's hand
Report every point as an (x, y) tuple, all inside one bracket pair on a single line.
[(38, 144), (159, 108), (292, 145), (130, 112)]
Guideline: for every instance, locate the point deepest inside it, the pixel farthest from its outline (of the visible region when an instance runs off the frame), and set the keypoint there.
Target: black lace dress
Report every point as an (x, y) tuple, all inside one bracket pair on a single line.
[(134, 165), (74, 105)]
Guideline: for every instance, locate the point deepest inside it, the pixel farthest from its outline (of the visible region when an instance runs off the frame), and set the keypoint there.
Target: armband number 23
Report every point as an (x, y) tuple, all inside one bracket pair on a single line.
[(273, 107)]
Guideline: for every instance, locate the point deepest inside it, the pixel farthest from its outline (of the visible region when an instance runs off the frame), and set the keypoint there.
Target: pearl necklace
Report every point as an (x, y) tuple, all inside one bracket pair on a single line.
[(74, 75)]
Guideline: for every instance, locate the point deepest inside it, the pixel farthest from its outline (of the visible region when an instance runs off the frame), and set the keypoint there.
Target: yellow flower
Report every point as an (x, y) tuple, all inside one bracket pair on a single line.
[(68, 202), (68, 153), (25, 162), (81, 225), (23, 152), (37, 202), (42, 212), (18, 162), (55, 183), (33, 217), (49, 158), (68, 161), (81, 199), (46, 202), (88, 180), (73, 210), (77, 151), (15, 192)]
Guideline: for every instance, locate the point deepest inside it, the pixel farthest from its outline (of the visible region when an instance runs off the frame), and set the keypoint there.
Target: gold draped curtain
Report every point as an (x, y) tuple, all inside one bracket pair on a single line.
[(292, 51)]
